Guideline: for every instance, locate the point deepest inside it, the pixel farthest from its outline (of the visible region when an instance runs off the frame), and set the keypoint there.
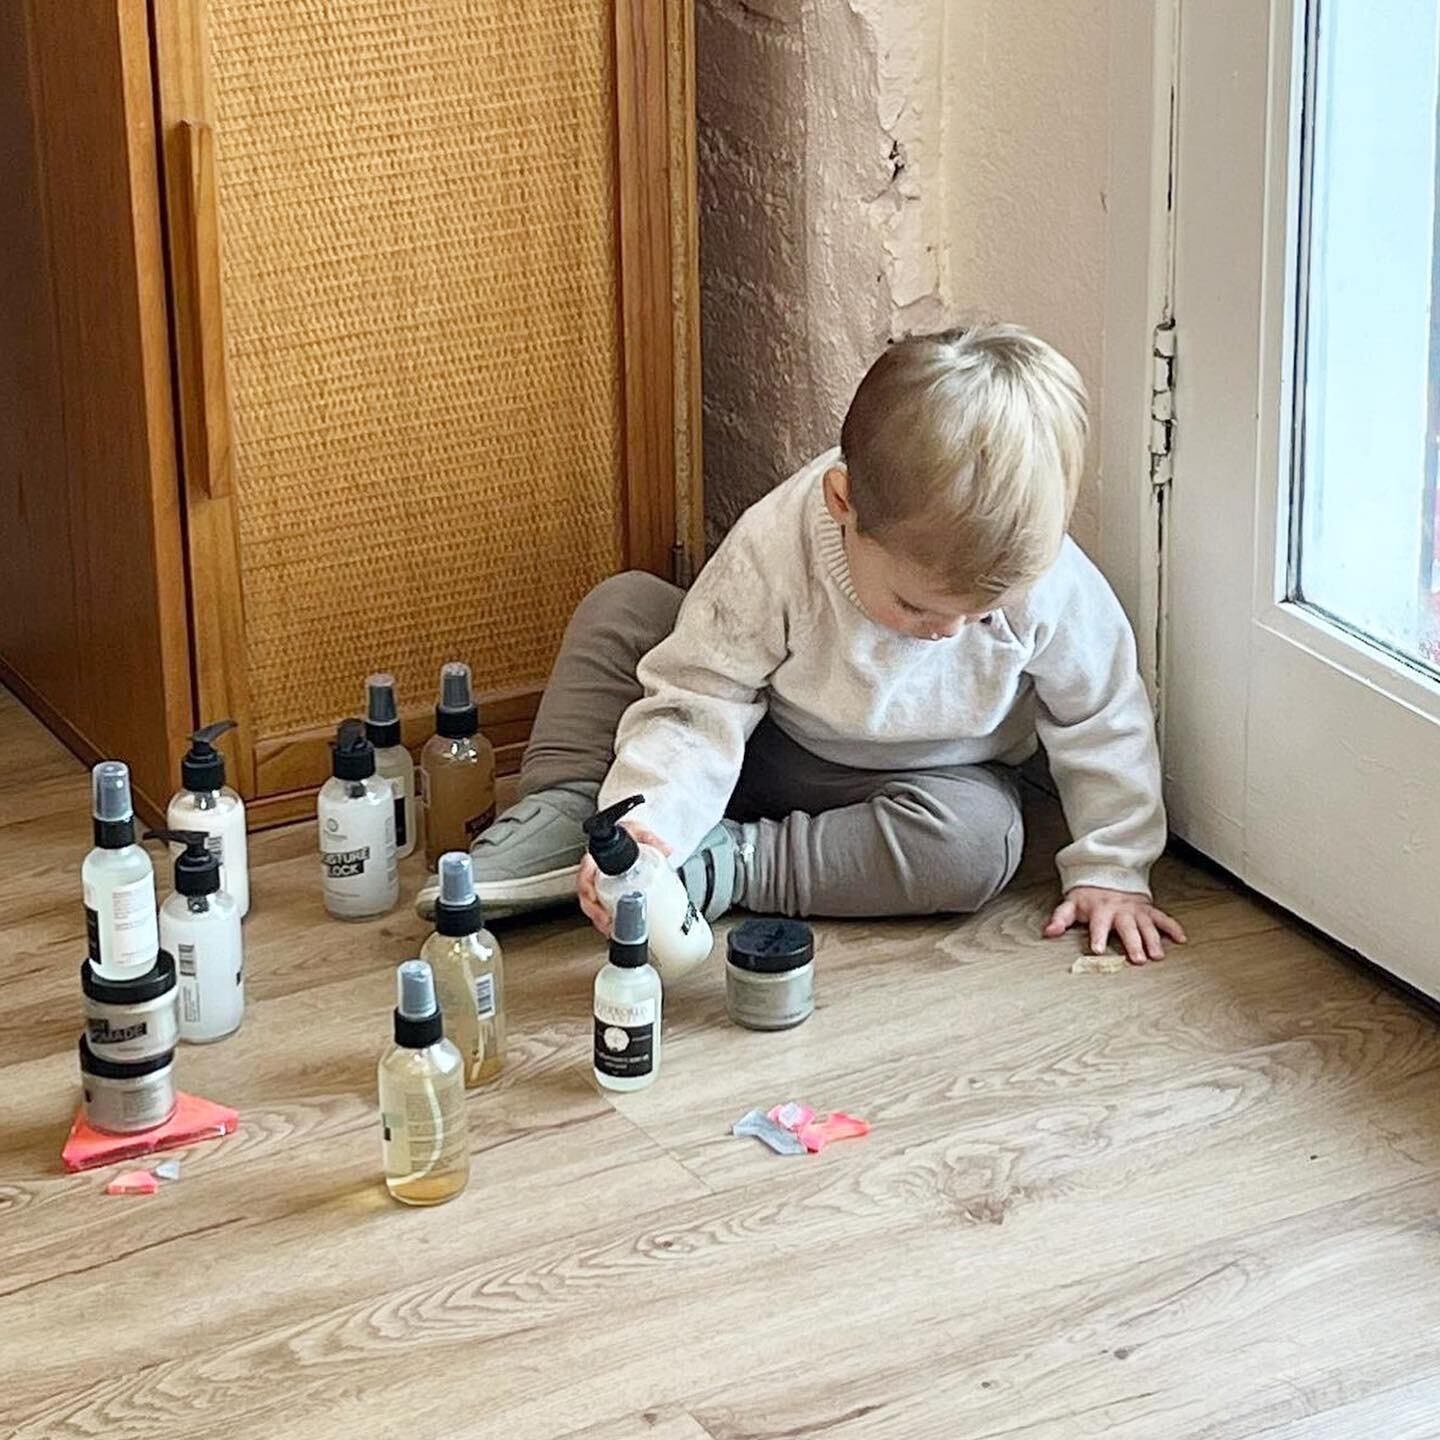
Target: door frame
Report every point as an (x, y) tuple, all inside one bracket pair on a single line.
[(656, 232)]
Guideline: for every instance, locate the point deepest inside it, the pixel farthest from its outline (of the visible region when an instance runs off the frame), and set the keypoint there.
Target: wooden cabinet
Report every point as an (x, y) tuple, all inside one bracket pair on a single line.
[(351, 336)]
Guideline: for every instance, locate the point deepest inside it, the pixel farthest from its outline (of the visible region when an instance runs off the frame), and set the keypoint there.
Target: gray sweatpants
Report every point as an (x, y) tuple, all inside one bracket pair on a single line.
[(829, 840)]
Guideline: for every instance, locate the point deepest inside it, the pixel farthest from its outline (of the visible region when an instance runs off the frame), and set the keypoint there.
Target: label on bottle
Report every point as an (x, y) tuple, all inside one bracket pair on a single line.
[(190, 1004), (102, 1032), (185, 958), (397, 789), (476, 823), (346, 864), (428, 1134), (215, 844), (92, 929), (484, 997), (625, 1038), (125, 934), (691, 916)]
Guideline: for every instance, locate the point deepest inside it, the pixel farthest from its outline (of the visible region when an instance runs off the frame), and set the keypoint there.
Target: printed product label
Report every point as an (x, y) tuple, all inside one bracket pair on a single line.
[(102, 1032), (484, 996), (691, 916), (476, 823), (215, 844), (92, 931), (129, 935), (625, 1039), (397, 789), (150, 1103), (185, 956), (190, 1004), (414, 1143), (345, 864)]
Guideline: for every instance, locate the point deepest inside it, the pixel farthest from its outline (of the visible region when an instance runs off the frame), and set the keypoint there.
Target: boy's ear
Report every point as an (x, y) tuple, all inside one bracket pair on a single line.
[(837, 495)]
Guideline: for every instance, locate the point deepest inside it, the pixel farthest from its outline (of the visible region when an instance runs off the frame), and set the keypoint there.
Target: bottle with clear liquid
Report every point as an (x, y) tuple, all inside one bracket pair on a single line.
[(425, 1138), (627, 1004), (200, 927), (680, 937), (205, 802), (469, 972), (121, 928), (457, 769), (393, 762), (357, 831)]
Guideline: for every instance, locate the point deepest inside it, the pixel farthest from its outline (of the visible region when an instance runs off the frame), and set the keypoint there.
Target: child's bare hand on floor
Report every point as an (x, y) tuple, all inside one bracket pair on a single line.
[(1137, 924), (585, 883)]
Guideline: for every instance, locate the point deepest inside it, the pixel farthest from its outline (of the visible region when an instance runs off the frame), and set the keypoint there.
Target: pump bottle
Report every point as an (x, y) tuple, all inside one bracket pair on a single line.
[(122, 935), (393, 762), (469, 972), (426, 1144), (457, 769), (627, 1004), (205, 802), (680, 936), (357, 831), (200, 927)]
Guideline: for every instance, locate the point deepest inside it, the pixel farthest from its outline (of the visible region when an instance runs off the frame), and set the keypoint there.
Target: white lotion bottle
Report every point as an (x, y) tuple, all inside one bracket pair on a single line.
[(627, 1004), (122, 933), (206, 803), (680, 937), (357, 831), (393, 762), (200, 927)]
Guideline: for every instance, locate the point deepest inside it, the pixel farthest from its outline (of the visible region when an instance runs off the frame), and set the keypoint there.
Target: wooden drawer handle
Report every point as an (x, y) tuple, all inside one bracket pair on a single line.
[(206, 399)]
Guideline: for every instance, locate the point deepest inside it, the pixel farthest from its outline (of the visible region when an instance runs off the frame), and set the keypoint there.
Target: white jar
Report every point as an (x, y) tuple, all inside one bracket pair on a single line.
[(121, 1097), (129, 1020)]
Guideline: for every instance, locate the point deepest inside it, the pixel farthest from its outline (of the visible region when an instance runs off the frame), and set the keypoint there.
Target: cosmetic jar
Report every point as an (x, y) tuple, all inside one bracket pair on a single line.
[(128, 1020), (122, 1097), (770, 973)]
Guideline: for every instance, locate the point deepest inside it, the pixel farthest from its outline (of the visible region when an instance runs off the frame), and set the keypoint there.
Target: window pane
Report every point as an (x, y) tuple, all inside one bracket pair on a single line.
[(1366, 532)]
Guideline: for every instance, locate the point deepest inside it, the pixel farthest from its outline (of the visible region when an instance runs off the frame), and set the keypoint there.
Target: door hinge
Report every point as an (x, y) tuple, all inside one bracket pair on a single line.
[(1162, 404)]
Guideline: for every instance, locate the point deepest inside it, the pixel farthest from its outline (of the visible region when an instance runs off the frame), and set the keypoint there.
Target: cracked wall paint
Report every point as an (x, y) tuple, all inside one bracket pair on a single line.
[(873, 167)]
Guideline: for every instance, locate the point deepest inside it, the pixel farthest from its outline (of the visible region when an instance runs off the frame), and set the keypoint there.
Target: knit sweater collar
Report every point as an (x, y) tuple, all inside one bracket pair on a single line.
[(829, 537)]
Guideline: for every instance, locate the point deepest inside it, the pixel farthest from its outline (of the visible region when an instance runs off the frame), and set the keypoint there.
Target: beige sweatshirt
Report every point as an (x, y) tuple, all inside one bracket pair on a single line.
[(772, 623)]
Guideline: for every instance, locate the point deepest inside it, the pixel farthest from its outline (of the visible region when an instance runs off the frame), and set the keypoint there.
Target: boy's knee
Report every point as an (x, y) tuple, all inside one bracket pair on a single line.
[(634, 600), (973, 850)]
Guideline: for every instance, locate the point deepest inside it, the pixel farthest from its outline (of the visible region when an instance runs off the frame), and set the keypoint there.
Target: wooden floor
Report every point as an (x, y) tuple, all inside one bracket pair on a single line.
[(1196, 1200)]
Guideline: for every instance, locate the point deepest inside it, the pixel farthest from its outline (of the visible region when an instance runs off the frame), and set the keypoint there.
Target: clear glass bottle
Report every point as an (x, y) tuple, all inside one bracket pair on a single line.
[(122, 932), (200, 927), (425, 1137), (393, 762), (627, 1004), (356, 815), (457, 769), (469, 972), (205, 802)]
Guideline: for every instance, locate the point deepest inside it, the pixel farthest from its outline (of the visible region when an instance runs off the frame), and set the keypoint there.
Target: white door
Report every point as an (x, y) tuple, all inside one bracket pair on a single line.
[(1301, 619)]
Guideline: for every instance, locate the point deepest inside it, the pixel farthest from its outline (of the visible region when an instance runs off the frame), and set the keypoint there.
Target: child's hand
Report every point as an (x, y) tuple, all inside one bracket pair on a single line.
[(1136, 922), (585, 884)]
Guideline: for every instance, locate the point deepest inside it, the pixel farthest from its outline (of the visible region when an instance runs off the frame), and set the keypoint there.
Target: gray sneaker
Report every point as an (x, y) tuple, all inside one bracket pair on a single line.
[(529, 857), (714, 875)]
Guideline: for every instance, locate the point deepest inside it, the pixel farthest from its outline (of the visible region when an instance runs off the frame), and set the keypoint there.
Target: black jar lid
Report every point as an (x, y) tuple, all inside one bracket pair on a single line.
[(92, 1064), (770, 946), (155, 982)]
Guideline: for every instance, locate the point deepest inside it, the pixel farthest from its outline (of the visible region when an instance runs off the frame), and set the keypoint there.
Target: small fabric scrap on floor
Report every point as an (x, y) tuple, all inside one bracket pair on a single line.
[(764, 1129), (1106, 964), (792, 1115), (167, 1170), (837, 1126), (133, 1182)]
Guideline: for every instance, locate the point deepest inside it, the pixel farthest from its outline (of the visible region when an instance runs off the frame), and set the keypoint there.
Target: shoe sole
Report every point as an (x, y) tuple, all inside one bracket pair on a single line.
[(527, 892)]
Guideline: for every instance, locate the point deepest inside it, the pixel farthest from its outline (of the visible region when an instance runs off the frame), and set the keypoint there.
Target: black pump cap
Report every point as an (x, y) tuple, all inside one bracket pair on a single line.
[(197, 867), (352, 756), (614, 850), (203, 767)]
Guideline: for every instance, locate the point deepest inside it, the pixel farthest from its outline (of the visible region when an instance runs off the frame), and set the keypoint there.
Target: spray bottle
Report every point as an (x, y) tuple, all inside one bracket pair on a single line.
[(122, 936), (627, 1004), (469, 972), (357, 831), (200, 927), (680, 936), (457, 769), (205, 802), (426, 1144), (393, 762)]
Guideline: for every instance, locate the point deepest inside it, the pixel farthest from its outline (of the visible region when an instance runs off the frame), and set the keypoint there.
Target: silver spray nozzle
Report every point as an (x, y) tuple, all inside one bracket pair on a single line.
[(110, 791), (380, 700), (457, 879), (630, 925), (455, 691), (415, 990)]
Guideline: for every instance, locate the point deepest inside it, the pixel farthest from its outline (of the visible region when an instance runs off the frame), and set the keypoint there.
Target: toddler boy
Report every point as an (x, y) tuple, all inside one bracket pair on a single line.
[(826, 724)]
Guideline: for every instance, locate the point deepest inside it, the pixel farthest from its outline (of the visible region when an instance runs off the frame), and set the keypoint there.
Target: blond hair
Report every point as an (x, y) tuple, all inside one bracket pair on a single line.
[(965, 451)]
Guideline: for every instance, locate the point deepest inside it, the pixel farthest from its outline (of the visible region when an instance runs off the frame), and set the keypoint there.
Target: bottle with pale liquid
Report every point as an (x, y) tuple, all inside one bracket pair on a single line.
[(424, 1134), (457, 769), (121, 929), (627, 1004)]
